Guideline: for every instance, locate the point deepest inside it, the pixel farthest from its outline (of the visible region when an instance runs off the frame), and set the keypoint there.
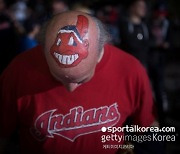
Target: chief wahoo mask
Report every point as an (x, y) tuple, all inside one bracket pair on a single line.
[(70, 47)]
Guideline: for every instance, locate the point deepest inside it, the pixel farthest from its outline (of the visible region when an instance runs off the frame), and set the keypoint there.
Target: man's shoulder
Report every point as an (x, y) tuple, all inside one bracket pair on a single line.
[(26, 73), (25, 63), (29, 55), (27, 59), (116, 51), (122, 57), (123, 63)]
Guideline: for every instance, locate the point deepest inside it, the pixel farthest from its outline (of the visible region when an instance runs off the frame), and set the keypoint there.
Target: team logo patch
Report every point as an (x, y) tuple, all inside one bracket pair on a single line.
[(71, 44), (76, 123)]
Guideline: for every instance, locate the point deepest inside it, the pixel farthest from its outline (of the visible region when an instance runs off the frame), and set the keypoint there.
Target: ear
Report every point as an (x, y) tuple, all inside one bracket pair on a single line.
[(85, 43), (101, 55)]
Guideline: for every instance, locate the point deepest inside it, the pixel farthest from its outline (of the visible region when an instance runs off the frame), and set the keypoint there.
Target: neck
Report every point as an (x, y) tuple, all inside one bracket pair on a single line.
[(135, 19)]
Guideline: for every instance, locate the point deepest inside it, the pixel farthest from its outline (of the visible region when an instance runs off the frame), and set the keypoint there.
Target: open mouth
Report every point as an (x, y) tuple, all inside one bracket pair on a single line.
[(66, 59)]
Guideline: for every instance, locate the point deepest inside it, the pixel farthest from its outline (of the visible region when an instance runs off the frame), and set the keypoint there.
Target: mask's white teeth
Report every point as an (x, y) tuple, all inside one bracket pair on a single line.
[(60, 58), (70, 59), (56, 54), (76, 57), (66, 59)]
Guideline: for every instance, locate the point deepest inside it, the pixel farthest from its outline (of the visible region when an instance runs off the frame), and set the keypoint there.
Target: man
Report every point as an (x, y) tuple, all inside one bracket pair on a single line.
[(59, 6), (134, 33), (160, 36), (59, 96)]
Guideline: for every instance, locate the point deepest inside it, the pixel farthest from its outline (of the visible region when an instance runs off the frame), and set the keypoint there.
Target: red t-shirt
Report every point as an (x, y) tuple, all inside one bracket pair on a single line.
[(52, 120)]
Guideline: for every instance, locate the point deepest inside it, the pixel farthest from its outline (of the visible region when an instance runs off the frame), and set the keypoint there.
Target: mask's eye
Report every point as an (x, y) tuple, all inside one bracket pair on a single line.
[(72, 42), (58, 42)]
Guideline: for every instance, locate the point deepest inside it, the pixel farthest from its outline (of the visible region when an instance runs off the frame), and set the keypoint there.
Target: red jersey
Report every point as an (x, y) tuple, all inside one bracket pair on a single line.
[(51, 119)]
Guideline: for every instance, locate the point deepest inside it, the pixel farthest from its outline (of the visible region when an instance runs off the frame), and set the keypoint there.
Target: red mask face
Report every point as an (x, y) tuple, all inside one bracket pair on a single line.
[(69, 48)]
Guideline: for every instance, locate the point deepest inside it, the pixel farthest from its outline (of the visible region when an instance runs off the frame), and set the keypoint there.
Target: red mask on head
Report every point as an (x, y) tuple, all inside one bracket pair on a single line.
[(69, 48)]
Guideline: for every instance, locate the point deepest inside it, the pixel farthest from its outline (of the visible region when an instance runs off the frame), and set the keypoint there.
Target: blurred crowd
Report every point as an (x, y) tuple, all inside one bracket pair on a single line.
[(144, 29)]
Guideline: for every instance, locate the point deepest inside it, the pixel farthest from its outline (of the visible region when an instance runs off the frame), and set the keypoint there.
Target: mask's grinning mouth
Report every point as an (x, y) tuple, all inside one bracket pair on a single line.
[(66, 59)]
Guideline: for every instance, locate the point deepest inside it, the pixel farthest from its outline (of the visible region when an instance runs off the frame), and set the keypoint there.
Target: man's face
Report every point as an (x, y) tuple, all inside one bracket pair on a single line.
[(140, 8)]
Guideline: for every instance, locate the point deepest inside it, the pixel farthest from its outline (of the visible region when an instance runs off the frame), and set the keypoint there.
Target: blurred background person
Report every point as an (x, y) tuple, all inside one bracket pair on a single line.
[(8, 37), (108, 13), (38, 7), (29, 39), (59, 6), (160, 44), (83, 7), (134, 33), (20, 10)]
